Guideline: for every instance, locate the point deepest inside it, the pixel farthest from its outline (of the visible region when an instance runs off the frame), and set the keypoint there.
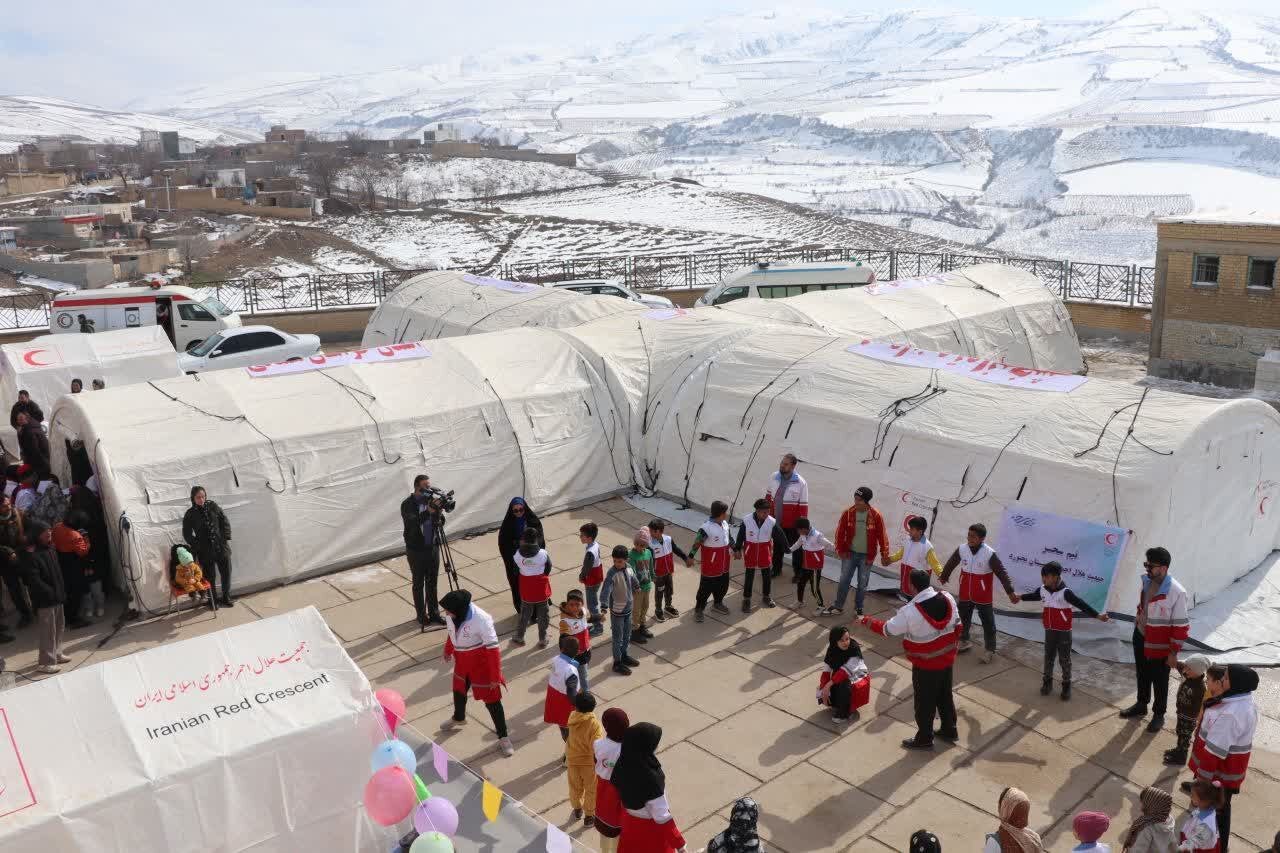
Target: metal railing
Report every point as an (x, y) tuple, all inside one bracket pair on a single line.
[(1113, 284)]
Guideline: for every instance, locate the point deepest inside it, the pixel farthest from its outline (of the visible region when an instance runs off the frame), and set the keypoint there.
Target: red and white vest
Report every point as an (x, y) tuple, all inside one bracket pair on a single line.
[(556, 706), (929, 643), (757, 549), (1168, 625), (535, 584), (976, 577), (794, 504), (915, 555), (814, 547), (561, 669), (714, 548), (1199, 832), (595, 576), (1224, 741), (664, 561), (1057, 614), (476, 657), (578, 628), (607, 752)]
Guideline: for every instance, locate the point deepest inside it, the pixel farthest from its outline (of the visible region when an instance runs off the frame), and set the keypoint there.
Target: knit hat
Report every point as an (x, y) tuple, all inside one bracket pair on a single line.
[(184, 557), (1090, 826), (1198, 664), (615, 723), (924, 841)]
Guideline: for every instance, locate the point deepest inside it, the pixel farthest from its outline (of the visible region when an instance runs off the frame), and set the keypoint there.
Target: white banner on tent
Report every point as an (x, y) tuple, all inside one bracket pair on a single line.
[(252, 738), (501, 284), (321, 361), (1088, 551), (880, 288), (982, 369)]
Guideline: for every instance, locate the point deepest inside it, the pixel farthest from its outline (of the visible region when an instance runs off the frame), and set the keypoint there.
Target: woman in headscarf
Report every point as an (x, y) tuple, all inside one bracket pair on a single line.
[(519, 516), (472, 646), (842, 667), (647, 824), (608, 806), (1152, 832), (741, 836), (1224, 740), (1013, 835), (924, 841)]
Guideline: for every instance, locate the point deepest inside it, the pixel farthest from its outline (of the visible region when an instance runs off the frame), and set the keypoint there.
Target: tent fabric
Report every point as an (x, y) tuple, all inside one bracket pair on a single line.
[(310, 467), (988, 311), (691, 406), (255, 738), (447, 304)]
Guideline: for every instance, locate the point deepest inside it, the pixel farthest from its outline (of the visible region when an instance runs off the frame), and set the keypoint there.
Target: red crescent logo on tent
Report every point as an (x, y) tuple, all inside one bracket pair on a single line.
[(30, 358), (905, 495), (1111, 538), (906, 522), (1262, 505)]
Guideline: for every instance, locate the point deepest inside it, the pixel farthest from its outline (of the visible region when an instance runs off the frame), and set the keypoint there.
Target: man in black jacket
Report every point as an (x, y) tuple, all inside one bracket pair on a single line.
[(420, 517), (206, 529), (25, 404), (44, 583), (33, 444)]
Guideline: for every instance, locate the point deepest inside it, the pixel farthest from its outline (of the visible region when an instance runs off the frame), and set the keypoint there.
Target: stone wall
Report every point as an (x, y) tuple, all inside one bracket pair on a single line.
[(87, 273)]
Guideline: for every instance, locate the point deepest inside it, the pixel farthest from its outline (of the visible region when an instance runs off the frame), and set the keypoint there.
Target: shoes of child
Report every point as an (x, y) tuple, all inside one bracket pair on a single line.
[(671, 611), (508, 749), (719, 608)]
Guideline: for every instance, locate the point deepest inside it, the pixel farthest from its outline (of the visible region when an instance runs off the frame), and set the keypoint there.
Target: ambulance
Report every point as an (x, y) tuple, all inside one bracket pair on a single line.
[(186, 315)]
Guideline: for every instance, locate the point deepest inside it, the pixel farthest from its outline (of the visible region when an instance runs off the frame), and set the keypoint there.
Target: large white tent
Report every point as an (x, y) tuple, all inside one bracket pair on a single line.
[(988, 311), (252, 739), (310, 467)]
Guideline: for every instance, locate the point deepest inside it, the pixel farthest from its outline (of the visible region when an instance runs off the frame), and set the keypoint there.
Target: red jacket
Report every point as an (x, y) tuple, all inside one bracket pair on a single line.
[(877, 537)]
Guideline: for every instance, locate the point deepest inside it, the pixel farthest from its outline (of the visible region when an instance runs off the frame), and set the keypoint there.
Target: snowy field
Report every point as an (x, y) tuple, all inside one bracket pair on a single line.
[(418, 179)]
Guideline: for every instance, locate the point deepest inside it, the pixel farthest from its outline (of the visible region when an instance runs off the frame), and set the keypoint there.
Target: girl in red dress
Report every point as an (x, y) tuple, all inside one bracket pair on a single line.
[(608, 806), (647, 824)]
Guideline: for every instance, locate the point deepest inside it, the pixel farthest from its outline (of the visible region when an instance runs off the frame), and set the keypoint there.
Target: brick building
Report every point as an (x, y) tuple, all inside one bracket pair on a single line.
[(1215, 311)]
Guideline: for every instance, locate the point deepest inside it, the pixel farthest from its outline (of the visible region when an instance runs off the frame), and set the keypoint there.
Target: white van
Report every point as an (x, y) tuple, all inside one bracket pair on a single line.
[(771, 280), (187, 315)]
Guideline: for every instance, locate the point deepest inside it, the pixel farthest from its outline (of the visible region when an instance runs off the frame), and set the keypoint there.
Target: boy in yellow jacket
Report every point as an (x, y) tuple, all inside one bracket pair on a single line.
[(580, 757), (916, 553)]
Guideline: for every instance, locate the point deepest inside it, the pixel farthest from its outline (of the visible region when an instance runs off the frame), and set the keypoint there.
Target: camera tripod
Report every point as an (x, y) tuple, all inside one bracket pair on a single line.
[(441, 541)]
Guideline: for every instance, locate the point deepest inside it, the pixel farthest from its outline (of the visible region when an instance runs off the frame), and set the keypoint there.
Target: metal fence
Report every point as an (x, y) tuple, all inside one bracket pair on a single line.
[(1076, 282)]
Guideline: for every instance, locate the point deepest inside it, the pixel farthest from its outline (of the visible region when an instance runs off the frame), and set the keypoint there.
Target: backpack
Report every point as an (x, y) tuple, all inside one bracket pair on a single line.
[(51, 506)]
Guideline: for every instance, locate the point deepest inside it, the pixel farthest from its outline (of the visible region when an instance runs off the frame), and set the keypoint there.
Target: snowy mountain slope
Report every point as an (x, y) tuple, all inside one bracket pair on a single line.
[(845, 112), (23, 118)]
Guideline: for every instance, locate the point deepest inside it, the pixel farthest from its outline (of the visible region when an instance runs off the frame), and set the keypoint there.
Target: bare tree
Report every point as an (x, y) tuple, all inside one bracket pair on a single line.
[(367, 175), (322, 171), (357, 142), (397, 180), (428, 191)]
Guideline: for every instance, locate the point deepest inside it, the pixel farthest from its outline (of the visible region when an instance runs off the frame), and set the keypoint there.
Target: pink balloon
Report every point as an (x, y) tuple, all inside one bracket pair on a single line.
[(389, 797), (392, 707), (436, 815)]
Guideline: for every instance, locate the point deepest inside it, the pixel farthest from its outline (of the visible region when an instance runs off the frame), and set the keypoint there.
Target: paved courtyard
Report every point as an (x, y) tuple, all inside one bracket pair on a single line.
[(735, 699)]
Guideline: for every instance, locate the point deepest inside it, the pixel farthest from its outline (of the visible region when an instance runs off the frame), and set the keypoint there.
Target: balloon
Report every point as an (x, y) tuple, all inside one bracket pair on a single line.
[(421, 788), (396, 752), (389, 796), (392, 707), (436, 814), (432, 842)]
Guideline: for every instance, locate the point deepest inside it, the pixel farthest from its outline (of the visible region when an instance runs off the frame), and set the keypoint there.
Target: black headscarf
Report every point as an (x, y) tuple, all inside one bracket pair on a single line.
[(924, 841), (512, 528), (837, 657), (638, 774), (456, 604), (741, 836), (1243, 680)]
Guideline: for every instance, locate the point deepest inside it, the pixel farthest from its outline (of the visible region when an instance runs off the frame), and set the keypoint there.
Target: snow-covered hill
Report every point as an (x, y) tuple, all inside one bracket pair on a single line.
[(24, 118)]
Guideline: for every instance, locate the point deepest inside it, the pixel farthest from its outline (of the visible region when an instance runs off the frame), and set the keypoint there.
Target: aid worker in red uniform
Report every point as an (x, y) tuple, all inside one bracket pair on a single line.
[(929, 626), (1224, 740), (472, 645), (1160, 628), (788, 497)]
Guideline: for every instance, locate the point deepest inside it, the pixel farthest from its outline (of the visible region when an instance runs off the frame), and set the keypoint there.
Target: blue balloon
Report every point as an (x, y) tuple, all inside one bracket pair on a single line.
[(391, 752)]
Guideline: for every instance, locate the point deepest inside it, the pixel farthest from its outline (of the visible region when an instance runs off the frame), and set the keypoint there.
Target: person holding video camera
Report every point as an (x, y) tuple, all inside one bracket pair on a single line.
[(423, 514)]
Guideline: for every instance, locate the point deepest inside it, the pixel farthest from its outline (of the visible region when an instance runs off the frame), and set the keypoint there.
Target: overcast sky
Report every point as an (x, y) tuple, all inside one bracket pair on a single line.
[(111, 55)]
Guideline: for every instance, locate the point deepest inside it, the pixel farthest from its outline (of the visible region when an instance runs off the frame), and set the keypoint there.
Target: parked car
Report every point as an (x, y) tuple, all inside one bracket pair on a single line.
[(778, 280), (612, 287), (246, 346)]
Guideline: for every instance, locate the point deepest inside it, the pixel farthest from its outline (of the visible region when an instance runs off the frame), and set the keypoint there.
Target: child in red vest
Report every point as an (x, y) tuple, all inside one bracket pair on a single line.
[(534, 565), (573, 623), (563, 683), (665, 551), (713, 541), (815, 546), (1057, 618), (592, 574), (979, 565), (759, 539)]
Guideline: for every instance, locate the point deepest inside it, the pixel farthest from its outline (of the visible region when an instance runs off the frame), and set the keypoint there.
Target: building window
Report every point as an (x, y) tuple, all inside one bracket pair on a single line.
[(1262, 272), (1205, 271)]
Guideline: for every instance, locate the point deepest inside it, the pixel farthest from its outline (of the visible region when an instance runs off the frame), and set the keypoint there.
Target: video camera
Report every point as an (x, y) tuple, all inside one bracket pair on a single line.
[(440, 500)]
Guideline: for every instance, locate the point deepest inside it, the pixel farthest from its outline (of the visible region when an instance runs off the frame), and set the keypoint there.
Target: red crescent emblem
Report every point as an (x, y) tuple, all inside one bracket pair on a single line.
[(1111, 538), (29, 358), (906, 522), (905, 495), (1262, 505)]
